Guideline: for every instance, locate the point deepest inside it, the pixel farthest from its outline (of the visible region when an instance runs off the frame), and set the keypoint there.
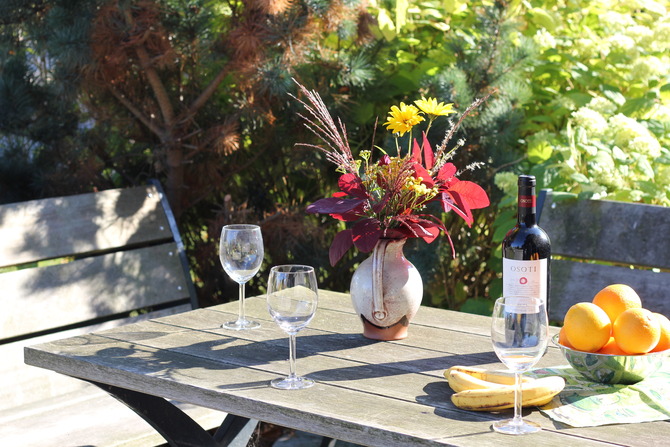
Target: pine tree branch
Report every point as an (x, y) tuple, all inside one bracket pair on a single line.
[(137, 113), (206, 94), (156, 85)]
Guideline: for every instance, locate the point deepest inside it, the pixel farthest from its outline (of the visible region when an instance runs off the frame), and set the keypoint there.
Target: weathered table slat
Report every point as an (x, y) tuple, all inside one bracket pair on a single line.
[(371, 393), (246, 390)]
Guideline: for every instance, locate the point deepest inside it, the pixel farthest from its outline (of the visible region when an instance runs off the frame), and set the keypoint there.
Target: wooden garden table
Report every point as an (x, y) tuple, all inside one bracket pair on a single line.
[(371, 393)]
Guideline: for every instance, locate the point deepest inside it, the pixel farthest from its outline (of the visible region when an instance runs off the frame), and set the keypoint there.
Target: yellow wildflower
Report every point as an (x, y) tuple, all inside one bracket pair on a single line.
[(431, 107), (402, 119), (416, 186)]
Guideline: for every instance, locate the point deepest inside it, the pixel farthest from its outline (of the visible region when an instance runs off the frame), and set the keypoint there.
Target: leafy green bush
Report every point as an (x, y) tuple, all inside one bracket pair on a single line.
[(600, 126)]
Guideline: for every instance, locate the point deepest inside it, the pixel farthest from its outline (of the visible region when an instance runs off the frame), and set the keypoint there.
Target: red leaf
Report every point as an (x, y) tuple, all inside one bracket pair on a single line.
[(423, 228), (428, 155), (472, 194), (416, 152), (352, 185), (385, 160), (397, 233), (446, 174), (452, 201), (379, 206), (347, 217), (433, 231), (420, 171), (334, 205), (366, 233), (341, 244)]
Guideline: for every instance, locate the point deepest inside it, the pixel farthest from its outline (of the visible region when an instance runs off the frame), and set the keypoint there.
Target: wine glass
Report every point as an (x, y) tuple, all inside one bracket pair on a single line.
[(241, 254), (292, 299), (519, 334)]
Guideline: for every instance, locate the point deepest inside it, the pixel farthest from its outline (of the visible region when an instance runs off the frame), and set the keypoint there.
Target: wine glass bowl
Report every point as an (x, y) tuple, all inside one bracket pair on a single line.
[(241, 255), (519, 333), (291, 312), (292, 300)]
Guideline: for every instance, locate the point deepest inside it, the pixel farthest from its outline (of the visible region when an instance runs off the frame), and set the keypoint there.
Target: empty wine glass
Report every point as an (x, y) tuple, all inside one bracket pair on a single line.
[(519, 335), (241, 254), (292, 300)]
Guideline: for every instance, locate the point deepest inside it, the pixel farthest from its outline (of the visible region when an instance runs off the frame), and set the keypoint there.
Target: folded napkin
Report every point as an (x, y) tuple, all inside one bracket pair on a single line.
[(583, 403)]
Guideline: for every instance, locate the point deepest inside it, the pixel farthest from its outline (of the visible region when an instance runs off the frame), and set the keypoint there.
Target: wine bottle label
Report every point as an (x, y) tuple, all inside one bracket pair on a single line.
[(522, 305), (525, 278), (527, 201)]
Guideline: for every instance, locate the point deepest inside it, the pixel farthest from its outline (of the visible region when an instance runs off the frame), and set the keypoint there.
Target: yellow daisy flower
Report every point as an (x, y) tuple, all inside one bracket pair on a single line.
[(402, 119), (431, 107)]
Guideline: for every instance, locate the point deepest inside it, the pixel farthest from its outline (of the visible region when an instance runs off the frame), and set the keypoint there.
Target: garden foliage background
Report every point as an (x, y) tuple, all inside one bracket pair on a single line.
[(96, 94)]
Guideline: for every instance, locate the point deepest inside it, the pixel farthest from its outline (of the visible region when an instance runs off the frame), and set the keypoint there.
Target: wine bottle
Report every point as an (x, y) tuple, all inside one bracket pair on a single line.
[(526, 250)]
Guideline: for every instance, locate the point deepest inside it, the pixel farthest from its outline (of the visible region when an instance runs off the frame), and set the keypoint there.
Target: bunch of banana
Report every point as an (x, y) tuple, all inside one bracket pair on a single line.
[(480, 390)]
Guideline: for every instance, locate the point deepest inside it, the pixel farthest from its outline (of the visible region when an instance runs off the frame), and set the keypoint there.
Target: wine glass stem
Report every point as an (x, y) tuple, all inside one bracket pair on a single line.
[(517, 399), (242, 315), (291, 350)]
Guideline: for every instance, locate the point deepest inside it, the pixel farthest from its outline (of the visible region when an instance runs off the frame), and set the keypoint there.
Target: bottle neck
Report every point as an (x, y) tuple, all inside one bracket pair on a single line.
[(527, 206)]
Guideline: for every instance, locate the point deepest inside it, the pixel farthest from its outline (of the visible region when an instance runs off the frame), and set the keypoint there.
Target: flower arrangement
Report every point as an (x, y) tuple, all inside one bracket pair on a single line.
[(388, 198)]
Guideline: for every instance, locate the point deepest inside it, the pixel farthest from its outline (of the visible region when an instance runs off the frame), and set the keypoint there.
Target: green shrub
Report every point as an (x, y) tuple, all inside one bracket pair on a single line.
[(600, 125)]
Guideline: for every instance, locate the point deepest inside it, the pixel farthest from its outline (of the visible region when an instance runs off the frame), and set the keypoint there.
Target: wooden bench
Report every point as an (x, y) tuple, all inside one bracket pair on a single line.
[(595, 243), (70, 265)]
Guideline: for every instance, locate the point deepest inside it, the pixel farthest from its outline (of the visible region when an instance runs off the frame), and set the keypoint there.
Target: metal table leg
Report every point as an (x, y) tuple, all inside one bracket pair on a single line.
[(178, 429), (235, 431)]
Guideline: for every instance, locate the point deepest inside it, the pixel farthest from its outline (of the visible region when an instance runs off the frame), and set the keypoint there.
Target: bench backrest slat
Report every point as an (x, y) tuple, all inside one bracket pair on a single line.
[(40, 299), (81, 224), (573, 282), (595, 243), (627, 233)]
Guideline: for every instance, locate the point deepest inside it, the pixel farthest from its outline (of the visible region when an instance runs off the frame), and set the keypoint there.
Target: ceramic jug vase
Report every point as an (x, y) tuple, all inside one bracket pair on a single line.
[(386, 291)]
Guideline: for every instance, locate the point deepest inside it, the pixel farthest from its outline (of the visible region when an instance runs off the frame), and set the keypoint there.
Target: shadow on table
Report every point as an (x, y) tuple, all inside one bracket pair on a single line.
[(392, 368), (368, 359)]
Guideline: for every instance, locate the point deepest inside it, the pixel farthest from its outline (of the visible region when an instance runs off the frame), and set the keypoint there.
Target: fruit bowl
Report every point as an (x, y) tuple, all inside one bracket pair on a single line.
[(608, 368)]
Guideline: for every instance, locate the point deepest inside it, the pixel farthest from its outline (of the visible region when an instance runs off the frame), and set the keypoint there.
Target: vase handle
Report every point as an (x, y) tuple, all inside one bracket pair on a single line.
[(378, 310)]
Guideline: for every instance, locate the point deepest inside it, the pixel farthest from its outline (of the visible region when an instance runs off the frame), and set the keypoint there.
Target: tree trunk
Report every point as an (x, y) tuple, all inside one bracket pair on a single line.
[(175, 178)]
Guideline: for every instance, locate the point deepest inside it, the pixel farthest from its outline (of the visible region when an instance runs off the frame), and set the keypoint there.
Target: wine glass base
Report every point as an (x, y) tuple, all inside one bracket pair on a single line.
[(295, 383), (241, 325), (512, 427)]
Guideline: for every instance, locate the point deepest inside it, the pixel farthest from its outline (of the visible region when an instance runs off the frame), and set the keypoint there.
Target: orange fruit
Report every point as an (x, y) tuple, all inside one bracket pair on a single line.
[(664, 341), (563, 339), (587, 327), (616, 298), (611, 348), (637, 331)]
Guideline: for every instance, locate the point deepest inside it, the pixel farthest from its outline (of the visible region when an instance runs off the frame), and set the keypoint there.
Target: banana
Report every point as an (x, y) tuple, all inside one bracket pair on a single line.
[(460, 381), (537, 392), (482, 390), (540, 401), (483, 374)]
